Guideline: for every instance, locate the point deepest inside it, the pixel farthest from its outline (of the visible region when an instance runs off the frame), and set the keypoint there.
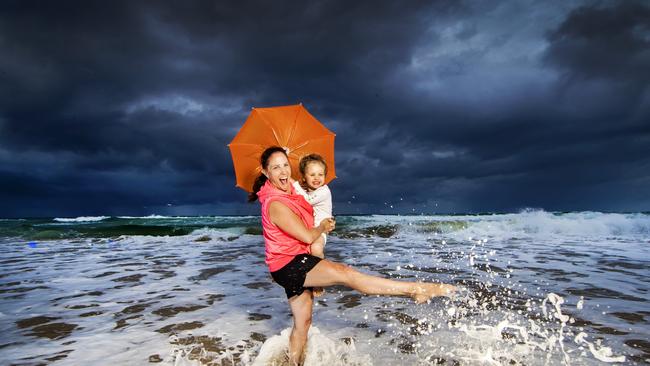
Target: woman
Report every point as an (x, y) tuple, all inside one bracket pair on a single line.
[(288, 221)]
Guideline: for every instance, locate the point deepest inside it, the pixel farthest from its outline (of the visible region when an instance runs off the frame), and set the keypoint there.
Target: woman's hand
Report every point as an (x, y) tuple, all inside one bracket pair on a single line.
[(328, 224)]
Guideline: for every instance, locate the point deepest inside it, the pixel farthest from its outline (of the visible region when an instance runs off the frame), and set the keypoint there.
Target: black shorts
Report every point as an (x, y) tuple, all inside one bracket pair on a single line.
[(292, 275)]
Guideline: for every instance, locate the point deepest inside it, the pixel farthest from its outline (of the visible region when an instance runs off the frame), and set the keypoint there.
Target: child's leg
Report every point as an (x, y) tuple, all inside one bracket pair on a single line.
[(318, 247)]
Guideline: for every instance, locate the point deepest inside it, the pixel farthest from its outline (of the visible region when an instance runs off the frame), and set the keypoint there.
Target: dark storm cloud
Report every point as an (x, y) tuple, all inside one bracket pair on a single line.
[(556, 141), (127, 108), (603, 43)]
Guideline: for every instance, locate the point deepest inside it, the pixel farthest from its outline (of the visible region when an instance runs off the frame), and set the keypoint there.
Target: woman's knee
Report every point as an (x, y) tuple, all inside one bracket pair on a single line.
[(344, 272)]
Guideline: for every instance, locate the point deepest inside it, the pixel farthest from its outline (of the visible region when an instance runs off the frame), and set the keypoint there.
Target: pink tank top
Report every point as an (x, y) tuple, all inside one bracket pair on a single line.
[(280, 247)]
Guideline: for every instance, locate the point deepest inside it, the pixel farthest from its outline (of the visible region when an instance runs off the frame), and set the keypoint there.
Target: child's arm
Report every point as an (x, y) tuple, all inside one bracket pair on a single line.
[(322, 194), (300, 190)]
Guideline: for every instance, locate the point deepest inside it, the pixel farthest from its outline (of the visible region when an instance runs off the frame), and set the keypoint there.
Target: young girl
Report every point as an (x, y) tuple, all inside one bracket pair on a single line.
[(313, 170)]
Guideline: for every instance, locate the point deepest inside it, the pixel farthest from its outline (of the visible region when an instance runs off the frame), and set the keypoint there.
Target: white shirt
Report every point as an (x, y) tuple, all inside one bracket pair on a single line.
[(320, 199)]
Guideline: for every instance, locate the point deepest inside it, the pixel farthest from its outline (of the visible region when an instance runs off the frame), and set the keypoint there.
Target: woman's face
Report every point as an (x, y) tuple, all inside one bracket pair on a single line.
[(278, 171)]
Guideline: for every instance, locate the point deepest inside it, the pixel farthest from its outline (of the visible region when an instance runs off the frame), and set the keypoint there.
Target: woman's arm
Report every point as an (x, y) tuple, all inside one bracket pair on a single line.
[(290, 223)]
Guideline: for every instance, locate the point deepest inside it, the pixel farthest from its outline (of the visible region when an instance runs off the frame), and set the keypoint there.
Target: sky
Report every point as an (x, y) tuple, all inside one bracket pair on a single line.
[(127, 107)]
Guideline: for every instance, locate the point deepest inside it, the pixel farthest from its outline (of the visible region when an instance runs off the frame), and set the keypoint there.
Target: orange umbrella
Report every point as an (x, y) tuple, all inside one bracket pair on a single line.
[(291, 127)]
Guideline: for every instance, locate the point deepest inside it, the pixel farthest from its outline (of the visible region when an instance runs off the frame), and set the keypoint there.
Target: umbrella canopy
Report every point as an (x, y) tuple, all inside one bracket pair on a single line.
[(291, 127)]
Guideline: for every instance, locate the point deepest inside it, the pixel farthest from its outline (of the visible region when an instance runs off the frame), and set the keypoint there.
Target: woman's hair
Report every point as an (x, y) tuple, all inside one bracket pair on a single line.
[(261, 179), (311, 158)]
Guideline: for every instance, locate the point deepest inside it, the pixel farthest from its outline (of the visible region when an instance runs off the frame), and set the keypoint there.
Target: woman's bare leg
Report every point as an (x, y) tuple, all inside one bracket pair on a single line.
[(327, 273), (301, 307)]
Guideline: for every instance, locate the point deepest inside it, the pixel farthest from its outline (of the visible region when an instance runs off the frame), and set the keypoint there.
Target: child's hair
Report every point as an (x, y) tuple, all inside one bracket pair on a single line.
[(305, 160)]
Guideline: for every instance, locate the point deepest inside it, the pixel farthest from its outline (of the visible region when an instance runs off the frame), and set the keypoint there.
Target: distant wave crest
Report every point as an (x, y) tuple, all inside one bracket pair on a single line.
[(151, 217), (539, 223), (81, 219)]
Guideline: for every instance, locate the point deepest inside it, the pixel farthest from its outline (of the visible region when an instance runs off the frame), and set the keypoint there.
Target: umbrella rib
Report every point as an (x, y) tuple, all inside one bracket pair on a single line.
[(294, 126), (307, 142), (299, 146), (268, 123)]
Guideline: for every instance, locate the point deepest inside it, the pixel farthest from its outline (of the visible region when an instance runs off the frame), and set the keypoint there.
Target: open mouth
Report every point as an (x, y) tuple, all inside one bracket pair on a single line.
[(284, 180)]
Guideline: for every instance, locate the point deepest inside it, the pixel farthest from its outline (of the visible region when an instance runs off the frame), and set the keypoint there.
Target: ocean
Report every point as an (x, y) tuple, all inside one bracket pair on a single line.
[(537, 288)]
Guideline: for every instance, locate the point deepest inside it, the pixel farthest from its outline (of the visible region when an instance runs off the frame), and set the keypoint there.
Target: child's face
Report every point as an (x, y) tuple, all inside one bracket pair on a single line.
[(314, 175)]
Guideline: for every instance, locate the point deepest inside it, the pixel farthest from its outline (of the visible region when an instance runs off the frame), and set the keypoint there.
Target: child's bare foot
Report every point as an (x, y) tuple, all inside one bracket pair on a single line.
[(425, 291), (318, 291)]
